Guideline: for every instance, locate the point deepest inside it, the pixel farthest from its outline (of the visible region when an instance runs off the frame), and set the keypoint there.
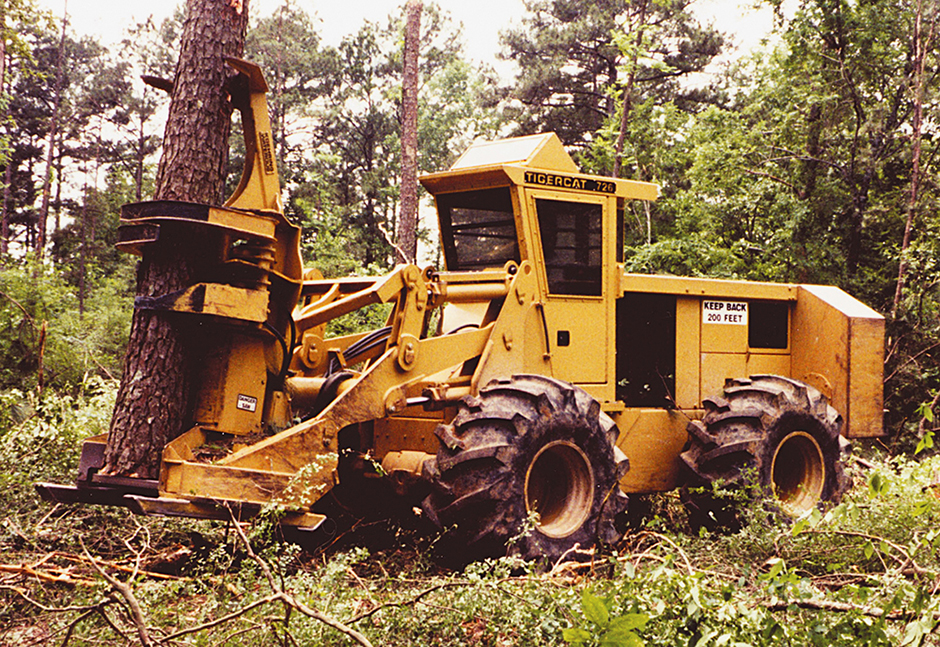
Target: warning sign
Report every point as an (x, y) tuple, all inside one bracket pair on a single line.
[(246, 403), (724, 312)]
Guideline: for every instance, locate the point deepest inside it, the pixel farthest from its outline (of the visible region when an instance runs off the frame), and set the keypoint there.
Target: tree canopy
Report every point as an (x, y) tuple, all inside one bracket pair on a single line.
[(791, 163)]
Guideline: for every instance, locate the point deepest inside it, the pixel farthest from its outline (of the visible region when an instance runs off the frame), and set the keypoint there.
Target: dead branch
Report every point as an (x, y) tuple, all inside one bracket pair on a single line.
[(289, 600), (228, 638), (111, 623), (125, 592), (84, 611), (910, 359), (42, 607), (224, 619), (661, 538), (71, 627), (407, 603), (63, 576), (831, 605), (905, 561), (111, 565)]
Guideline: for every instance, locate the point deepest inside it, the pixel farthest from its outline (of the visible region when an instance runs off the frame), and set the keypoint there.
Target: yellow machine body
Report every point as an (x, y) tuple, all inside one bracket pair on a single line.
[(533, 283)]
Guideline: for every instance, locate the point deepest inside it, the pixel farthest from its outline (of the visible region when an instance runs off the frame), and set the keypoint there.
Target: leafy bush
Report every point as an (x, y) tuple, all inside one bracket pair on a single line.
[(44, 334), (40, 436)]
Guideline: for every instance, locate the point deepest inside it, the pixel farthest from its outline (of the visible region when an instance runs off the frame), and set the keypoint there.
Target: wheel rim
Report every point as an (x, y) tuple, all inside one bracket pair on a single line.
[(798, 473), (559, 488)]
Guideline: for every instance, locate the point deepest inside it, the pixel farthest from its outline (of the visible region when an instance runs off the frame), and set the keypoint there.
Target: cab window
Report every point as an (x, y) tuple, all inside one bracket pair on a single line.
[(478, 229), (571, 242)]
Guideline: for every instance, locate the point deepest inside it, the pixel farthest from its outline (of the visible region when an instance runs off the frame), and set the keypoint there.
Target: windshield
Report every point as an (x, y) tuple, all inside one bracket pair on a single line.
[(478, 229)]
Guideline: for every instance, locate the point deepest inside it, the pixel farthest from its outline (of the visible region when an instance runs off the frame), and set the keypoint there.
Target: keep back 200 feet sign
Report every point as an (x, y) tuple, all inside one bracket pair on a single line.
[(724, 312)]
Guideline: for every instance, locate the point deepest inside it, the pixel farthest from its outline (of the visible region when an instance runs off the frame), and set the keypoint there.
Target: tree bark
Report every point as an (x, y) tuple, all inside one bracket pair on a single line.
[(153, 400), (407, 238), (7, 200)]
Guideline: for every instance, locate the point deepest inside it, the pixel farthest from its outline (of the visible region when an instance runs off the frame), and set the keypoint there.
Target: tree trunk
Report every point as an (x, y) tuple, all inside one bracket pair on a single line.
[(7, 208), (53, 135), (153, 400), (628, 90), (407, 242), (921, 45), (3, 48)]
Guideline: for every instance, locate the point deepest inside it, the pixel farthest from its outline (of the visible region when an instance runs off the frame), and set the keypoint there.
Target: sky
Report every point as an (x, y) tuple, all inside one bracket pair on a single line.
[(482, 19)]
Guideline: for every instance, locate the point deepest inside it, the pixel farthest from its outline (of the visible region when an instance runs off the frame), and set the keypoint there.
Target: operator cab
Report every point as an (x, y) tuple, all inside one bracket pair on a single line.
[(484, 202), (524, 201)]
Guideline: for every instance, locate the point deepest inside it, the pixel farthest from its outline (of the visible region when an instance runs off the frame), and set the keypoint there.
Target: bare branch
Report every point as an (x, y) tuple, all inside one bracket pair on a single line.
[(407, 603), (224, 619), (288, 599), (125, 592), (832, 605)]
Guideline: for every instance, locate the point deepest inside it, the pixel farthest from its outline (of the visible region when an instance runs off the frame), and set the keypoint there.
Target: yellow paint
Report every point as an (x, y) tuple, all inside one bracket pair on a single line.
[(652, 439)]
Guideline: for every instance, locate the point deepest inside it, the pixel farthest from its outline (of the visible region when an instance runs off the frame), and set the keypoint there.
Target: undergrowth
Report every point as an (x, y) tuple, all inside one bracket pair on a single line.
[(865, 571)]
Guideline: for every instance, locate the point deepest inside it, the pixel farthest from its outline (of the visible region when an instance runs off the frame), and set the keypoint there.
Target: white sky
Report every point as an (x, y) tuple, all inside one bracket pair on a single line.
[(482, 19)]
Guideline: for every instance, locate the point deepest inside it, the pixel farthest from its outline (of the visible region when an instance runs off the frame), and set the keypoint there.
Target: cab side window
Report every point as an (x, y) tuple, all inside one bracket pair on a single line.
[(571, 241)]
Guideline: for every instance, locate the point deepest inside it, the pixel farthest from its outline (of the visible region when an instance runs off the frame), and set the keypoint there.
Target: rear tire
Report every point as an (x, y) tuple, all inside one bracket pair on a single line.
[(769, 437), (528, 467)]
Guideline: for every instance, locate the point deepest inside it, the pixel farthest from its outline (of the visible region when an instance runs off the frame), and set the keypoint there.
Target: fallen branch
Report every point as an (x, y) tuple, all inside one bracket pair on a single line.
[(661, 538), (224, 619), (63, 577), (129, 598), (906, 562), (407, 603), (85, 611), (98, 608), (42, 607), (830, 605), (289, 600), (228, 637), (134, 570)]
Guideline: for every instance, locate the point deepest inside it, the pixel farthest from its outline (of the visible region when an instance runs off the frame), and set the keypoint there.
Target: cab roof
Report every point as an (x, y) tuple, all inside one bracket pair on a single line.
[(533, 160)]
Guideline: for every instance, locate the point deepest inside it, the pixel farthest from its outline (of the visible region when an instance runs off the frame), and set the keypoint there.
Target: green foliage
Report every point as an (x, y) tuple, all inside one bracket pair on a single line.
[(601, 628), (44, 334), (574, 59), (40, 436), (862, 572)]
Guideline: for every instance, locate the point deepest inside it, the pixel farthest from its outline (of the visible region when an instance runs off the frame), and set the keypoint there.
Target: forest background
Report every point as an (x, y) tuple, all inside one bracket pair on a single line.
[(812, 160)]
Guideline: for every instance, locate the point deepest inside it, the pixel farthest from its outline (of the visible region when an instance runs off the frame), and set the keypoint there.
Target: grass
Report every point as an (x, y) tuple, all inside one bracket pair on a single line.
[(864, 572)]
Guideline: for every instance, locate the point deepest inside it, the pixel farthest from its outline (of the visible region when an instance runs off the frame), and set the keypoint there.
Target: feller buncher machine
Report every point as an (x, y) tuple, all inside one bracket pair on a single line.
[(519, 394)]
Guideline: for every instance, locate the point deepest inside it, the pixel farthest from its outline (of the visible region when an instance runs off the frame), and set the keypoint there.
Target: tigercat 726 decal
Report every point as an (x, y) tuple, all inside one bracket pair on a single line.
[(568, 182)]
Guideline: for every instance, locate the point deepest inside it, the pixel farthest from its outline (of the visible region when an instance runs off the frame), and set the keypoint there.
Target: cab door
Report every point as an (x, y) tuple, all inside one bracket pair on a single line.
[(570, 235)]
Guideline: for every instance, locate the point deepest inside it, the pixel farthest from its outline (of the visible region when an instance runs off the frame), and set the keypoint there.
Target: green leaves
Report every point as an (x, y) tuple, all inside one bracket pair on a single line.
[(925, 412), (877, 484), (601, 629), (594, 609)]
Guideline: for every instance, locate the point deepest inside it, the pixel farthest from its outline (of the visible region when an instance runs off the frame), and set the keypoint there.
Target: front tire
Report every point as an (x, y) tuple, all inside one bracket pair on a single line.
[(528, 467)]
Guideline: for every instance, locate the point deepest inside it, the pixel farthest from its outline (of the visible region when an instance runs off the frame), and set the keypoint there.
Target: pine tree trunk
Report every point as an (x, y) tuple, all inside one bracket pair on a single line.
[(53, 135), (7, 202), (154, 397), (407, 238)]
